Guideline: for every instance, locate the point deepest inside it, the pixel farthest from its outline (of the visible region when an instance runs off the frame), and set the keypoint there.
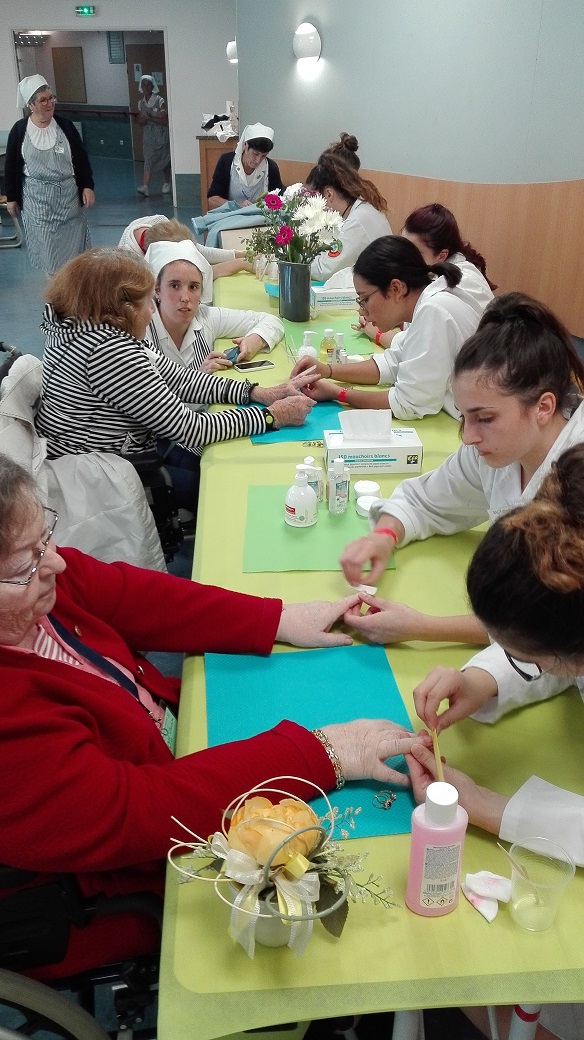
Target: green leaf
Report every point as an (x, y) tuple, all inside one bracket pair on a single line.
[(335, 922)]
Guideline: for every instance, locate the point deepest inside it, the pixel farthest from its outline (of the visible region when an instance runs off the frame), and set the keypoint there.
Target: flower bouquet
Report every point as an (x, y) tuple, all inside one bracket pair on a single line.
[(277, 863), (299, 226)]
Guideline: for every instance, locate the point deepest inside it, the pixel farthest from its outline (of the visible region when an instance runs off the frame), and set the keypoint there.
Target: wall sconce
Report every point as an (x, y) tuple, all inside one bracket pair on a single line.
[(231, 51), (307, 42)]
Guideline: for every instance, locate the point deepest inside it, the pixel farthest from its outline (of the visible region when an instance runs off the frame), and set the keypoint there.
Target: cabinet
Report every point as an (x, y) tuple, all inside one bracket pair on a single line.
[(209, 151)]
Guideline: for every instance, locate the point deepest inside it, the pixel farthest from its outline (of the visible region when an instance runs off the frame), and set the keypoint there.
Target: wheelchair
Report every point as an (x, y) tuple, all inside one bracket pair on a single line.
[(36, 921)]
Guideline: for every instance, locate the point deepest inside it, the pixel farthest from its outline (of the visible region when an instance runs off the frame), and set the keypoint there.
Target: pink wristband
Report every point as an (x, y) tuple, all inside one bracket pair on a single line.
[(386, 530)]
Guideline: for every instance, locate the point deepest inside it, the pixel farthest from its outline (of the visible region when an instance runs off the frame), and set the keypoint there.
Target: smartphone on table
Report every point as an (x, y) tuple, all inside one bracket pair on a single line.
[(251, 366)]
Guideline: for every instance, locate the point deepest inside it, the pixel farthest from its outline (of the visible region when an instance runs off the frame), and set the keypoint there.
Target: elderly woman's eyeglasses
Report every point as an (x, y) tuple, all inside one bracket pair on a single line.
[(46, 100), (51, 518), (527, 670)]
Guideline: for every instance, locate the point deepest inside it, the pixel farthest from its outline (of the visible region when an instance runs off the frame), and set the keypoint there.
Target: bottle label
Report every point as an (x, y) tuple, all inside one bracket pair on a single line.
[(440, 875)]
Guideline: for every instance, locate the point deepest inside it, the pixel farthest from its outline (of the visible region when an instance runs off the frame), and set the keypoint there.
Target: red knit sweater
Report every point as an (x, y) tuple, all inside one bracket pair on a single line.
[(88, 785)]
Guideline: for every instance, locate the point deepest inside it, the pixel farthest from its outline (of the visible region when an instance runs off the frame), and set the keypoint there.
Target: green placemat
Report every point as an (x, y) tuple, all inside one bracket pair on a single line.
[(272, 545), (355, 342)]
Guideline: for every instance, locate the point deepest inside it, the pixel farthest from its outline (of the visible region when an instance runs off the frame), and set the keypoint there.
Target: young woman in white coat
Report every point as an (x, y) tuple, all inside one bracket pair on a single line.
[(526, 584), (434, 230), (517, 383), (394, 284), (363, 209)]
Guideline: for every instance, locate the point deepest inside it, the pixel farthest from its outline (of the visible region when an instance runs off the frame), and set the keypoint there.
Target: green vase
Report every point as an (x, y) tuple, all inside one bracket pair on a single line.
[(294, 286)]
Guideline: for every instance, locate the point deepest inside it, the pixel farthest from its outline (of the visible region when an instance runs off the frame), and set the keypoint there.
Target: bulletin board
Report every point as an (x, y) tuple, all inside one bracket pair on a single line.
[(69, 74)]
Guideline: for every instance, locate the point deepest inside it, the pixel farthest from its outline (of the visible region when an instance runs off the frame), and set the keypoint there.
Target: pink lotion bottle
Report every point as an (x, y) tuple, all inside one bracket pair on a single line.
[(438, 829)]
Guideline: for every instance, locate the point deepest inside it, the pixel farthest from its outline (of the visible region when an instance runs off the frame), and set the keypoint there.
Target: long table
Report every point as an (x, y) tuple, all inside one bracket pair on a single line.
[(385, 960)]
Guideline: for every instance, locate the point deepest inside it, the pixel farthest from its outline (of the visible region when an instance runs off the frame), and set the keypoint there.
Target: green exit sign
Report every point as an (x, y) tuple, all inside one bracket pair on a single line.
[(86, 9)]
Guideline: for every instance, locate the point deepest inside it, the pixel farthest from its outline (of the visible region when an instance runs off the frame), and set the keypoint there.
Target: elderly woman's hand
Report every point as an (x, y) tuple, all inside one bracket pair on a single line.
[(269, 394), (215, 362), (309, 624), (290, 411), (362, 747)]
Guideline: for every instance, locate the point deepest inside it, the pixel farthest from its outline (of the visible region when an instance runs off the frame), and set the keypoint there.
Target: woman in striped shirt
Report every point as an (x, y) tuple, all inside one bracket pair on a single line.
[(104, 391)]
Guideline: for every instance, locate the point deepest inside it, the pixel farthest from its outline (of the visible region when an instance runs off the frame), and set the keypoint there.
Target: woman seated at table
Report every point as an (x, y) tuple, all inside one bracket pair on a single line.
[(247, 173), (141, 233), (394, 284), (516, 383), (84, 712), (526, 585), (102, 390), (434, 230), (361, 206)]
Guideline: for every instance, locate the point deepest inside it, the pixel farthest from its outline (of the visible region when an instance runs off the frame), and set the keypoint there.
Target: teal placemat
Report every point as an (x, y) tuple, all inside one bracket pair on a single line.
[(270, 544), (355, 342), (322, 416), (314, 688)]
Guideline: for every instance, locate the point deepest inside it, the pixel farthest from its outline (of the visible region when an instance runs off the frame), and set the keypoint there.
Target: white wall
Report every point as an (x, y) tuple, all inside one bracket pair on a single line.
[(456, 89), (196, 34)]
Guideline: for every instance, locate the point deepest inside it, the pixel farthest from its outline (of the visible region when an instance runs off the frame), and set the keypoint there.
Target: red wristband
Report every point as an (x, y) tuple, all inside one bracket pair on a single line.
[(386, 530), (342, 398), (378, 336)]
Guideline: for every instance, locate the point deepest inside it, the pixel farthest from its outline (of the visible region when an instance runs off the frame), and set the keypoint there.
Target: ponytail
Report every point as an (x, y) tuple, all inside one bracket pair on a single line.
[(334, 172)]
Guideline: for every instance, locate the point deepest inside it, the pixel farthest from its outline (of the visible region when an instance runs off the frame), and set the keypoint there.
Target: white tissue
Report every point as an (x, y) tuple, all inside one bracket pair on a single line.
[(487, 907), (366, 426), (489, 885)]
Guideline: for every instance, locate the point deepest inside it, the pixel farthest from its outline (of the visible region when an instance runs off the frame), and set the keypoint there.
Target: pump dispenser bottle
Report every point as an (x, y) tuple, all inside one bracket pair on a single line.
[(300, 506), (338, 481), (438, 829), (308, 348)]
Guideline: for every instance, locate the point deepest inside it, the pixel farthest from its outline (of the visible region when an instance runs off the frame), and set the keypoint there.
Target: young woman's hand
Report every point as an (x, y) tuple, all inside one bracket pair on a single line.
[(323, 390), (88, 197), (249, 346), (372, 548), (305, 363), (484, 807), (366, 327), (385, 621), (465, 692)]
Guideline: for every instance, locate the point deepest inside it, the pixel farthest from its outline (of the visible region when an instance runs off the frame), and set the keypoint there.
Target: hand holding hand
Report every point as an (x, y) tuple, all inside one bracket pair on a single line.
[(309, 624), (484, 807), (215, 362), (291, 411), (465, 692), (385, 621), (269, 394), (372, 548), (363, 745)]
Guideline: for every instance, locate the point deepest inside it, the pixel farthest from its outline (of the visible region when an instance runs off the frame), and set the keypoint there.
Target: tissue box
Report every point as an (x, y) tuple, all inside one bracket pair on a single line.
[(322, 299), (400, 452)]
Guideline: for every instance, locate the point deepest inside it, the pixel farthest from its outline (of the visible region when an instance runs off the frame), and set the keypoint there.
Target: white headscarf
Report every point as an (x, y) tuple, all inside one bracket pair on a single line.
[(159, 254), (155, 89), (27, 87), (250, 132)]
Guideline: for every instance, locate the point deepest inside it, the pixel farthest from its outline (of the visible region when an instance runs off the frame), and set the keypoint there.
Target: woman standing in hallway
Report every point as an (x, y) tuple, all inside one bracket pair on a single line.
[(153, 117), (48, 179)]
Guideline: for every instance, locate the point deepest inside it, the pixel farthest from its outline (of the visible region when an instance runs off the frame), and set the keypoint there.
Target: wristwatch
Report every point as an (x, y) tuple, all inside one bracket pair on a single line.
[(269, 419)]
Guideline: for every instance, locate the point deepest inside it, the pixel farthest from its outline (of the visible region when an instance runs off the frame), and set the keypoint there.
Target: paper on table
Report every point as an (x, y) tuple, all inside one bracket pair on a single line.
[(271, 545), (314, 688), (323, 416), (369, 426)]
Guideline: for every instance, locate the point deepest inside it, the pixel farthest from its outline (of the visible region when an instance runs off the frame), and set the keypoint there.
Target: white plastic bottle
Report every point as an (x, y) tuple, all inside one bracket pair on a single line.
[(438, 829), (315, 477), (300, 505), (338, 480), (327, 343), (308, 348), (340, 347)]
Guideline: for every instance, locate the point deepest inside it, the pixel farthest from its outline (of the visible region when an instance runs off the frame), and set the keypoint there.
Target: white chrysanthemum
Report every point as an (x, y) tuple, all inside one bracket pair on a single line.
[(291, 192), (311, 207)]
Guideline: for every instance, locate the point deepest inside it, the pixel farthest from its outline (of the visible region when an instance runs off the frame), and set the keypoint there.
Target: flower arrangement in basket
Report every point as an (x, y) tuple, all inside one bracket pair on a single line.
[(299, 226), (277, 864)]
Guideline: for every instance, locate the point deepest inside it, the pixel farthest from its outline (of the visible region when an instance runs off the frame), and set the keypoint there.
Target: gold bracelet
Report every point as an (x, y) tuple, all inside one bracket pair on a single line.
[(324, 740)]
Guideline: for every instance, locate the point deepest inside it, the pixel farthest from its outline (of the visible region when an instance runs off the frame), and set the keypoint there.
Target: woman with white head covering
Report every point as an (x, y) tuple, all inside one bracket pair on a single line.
[(153, 118), (48, 179), (244, 175), (184, 327)]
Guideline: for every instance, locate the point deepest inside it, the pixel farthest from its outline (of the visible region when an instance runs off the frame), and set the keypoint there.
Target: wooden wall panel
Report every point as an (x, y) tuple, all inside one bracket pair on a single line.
[(531, 235)]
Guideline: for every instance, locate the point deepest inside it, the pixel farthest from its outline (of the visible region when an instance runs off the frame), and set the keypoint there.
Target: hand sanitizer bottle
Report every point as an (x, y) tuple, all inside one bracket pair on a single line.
[(308, 349), (327, 343), (300, 505), (438, 829), (338, 480), (315, 477), (339, 347)]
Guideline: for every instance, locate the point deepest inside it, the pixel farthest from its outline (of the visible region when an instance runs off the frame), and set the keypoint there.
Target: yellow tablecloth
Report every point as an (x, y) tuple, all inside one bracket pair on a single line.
[(384, 959)]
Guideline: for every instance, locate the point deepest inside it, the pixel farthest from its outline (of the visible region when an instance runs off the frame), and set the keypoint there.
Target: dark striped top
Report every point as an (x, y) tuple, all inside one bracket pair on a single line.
[(102, 391)]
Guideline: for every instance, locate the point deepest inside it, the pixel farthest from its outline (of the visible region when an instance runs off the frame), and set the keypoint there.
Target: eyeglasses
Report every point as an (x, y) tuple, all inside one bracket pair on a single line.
[(363, 300), (528, 671), (46, 100), (51, 518)]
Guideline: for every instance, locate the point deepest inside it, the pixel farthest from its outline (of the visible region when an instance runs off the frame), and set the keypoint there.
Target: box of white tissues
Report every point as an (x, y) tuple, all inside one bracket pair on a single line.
[(369, 444)]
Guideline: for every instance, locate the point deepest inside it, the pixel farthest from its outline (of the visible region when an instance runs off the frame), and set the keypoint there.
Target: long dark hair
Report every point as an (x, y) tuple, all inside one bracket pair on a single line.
[(526, 579), (524, 349), (438, 229), (392, 256), (331, 171)]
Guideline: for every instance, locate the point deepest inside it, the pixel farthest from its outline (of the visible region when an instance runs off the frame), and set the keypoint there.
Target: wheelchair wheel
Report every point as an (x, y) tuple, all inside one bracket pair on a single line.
[(38, 1008)]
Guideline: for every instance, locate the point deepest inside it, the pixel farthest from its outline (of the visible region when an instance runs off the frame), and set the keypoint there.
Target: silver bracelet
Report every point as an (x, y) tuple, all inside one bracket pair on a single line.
[(324, 740)]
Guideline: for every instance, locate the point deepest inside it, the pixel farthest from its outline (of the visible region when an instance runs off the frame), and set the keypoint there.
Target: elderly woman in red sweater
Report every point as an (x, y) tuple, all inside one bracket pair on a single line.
[(89, 783)]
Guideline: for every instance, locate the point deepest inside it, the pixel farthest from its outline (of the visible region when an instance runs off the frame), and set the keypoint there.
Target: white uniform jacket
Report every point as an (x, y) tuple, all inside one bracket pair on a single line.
[(420, 364), (214, 323), (363, 225)]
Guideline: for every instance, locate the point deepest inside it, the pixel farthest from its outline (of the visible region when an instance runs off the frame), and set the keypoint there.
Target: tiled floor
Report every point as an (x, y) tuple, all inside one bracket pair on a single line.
[(116, 205)]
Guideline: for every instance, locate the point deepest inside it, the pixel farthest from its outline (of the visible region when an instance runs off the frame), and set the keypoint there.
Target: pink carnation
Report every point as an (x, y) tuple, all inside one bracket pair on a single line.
[(285, 234), (273, 201)]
